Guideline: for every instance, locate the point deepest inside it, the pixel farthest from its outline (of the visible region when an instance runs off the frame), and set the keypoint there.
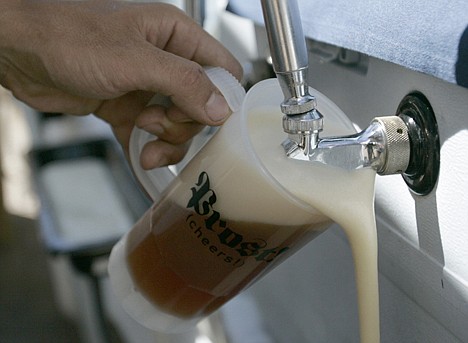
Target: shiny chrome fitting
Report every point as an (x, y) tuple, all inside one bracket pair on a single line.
[(396, 145), (384, 146), (310, 122), (304, 129)]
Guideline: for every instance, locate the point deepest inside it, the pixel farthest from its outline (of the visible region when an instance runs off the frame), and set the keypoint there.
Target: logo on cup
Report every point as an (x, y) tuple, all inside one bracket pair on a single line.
[(202, 201)]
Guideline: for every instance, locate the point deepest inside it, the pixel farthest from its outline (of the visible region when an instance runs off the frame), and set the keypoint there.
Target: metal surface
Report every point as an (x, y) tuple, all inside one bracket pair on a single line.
[(290, 63), (397, 145), (196, 10), (383, 146), (379, 146)]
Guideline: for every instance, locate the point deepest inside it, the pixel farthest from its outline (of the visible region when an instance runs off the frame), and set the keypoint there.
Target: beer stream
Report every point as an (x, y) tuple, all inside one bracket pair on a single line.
[(345, 196)]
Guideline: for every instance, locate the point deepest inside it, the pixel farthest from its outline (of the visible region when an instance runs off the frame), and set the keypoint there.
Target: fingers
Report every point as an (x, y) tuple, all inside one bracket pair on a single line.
[(185, 83), (157, 121), (159, 153), (181, 36), (121, 114), (171, 63), (173, 130)]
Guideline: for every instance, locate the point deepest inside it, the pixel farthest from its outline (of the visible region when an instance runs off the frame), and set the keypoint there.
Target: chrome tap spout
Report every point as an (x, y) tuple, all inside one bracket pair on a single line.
[(384, 146)]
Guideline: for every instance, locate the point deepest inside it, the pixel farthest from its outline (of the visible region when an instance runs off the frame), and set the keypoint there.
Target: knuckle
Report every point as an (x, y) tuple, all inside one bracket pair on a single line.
[(192, 76)]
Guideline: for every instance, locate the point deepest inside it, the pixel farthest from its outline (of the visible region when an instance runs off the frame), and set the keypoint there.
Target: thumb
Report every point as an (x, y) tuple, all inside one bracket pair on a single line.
[(191, 90), (171, 59), (187, 85)]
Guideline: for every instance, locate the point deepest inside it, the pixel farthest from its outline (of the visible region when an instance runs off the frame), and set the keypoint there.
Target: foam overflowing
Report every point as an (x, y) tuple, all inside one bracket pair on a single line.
[(345, 196)]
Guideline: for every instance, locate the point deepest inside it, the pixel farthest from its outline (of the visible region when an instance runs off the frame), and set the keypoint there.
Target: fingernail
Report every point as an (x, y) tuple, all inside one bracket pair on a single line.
[(216, 107)]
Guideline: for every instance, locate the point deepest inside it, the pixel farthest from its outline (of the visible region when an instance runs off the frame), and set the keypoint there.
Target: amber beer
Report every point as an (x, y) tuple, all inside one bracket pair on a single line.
[(193, 260)]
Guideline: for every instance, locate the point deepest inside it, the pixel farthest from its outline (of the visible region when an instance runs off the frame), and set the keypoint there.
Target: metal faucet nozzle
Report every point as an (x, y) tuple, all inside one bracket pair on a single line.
[(384, 146)]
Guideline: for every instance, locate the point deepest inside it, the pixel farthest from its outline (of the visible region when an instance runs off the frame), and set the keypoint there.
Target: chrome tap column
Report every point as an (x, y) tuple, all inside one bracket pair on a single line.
[(290, 63)]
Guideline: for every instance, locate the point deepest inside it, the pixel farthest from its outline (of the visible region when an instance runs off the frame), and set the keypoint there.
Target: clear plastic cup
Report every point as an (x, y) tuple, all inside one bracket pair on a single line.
[(222, 222)]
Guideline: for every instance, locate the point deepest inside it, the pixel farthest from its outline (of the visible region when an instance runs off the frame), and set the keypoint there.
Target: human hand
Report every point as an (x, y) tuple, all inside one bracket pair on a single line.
[(110, 58)]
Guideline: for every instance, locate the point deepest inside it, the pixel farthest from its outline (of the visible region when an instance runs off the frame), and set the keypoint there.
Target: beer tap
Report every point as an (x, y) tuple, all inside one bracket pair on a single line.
[(406, 143)]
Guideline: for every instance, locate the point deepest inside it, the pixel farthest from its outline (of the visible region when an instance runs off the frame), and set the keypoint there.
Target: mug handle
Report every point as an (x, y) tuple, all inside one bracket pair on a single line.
[(155, 181)]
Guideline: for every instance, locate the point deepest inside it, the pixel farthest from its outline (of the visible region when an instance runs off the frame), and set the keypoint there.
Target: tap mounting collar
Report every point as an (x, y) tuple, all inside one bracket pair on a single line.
[(423, 169)]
